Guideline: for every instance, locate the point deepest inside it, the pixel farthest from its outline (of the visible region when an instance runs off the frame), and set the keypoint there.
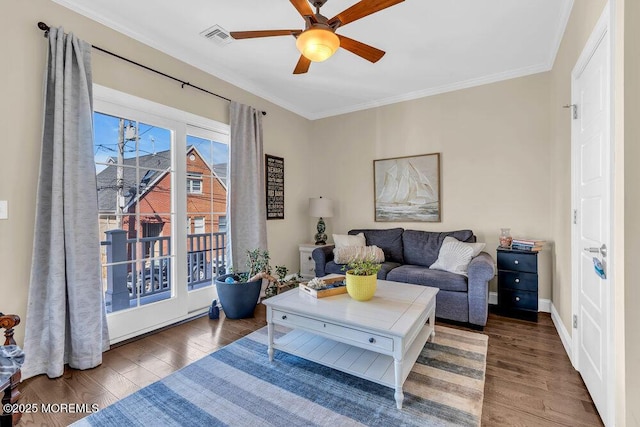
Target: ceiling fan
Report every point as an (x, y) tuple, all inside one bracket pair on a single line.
[(318, 41)]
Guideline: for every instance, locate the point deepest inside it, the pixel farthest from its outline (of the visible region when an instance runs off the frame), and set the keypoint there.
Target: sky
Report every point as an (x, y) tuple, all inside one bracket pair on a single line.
[(151, 139)]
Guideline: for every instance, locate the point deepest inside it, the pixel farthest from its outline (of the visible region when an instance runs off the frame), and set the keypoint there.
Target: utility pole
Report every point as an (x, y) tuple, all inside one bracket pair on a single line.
[(120, 175)]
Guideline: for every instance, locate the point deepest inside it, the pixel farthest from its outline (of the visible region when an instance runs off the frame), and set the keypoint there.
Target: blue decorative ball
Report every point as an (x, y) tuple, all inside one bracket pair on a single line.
[(229, 280)]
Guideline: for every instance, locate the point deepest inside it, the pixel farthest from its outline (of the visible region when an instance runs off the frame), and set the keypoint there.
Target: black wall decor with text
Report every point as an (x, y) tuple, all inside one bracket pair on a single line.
[(274, 171)]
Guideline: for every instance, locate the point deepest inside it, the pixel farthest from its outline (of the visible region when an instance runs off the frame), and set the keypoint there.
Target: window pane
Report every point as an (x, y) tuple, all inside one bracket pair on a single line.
[(206, 162), (133, 175)]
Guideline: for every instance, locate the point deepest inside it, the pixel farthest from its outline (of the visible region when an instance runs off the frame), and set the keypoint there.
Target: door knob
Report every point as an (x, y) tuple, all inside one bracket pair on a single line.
[(602, 250)]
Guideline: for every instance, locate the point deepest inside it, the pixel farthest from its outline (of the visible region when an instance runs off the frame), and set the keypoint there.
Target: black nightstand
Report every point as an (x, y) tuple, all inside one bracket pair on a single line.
[(518, 284)]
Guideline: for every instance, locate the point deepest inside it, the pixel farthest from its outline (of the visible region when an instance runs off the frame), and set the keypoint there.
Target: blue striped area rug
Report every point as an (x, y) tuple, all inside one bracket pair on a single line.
[(238, 386)]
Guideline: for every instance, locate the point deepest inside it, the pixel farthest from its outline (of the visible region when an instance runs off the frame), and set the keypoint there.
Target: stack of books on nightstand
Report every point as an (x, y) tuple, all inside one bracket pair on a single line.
[(529, 245)]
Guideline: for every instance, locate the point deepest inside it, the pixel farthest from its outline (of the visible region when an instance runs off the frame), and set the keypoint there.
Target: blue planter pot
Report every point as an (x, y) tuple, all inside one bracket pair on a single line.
[(238, 300)]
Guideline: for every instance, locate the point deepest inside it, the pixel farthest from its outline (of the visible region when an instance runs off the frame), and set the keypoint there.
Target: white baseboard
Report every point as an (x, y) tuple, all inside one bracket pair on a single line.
[(493, 298), (544, 305), (565, 336)]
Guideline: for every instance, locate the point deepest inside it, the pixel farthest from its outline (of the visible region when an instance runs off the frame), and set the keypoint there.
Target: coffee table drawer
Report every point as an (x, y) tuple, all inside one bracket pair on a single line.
[(362, 339)]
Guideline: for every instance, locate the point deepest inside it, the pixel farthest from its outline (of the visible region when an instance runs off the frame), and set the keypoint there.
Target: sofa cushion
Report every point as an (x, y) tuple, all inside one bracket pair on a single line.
[(386, 267), (455, 256), (331, 267), (422, 247), (420, 275), (345, 240), (389, 240), (347, 254)]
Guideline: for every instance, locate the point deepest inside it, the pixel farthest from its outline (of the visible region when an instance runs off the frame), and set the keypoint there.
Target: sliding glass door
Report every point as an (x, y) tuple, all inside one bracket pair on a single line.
[(156, 171)]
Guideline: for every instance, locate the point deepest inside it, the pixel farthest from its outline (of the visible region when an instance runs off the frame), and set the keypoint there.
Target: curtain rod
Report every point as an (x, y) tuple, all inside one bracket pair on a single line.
[(44, 27)]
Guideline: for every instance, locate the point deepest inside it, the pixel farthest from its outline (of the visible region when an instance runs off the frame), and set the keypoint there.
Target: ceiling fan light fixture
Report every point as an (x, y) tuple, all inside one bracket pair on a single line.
[(317, 44)]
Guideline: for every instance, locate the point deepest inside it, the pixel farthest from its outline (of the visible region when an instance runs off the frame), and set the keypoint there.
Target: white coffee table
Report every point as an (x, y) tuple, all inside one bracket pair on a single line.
[(378, 340)]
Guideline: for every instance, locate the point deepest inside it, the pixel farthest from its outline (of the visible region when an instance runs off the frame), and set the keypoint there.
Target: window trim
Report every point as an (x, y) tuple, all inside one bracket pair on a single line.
[(199, 222), (187, 304), (191, 179)]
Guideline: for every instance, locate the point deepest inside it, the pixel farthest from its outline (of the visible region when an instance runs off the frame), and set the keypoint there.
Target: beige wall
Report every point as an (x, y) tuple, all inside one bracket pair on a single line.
[(632, 208), (21, 74), (584, 16), (495, 165)]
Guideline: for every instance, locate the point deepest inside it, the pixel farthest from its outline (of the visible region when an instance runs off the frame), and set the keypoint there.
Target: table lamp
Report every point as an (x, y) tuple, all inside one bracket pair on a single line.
[(321, 208)]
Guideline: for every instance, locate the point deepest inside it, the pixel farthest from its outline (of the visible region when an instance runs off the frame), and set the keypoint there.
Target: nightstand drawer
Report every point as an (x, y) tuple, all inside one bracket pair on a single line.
[(518, 280), (519, 300), (516, 261)]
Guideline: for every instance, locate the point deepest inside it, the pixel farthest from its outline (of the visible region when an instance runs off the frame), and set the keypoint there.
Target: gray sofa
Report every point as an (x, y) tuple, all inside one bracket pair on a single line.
[(408, 255)]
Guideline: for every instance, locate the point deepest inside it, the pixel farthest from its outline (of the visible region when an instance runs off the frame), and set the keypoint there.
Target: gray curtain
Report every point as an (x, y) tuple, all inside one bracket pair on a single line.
[(66, 319), (247, 205)]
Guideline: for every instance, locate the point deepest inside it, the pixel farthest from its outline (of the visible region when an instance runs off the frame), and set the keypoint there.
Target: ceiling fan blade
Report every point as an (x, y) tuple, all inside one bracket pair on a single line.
[(303, 7), (262, 33), (302, 66), (361, 9), (365, 51)]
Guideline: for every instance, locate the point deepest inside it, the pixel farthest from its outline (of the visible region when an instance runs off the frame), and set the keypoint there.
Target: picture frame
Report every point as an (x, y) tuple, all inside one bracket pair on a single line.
[(407, 189), (274, 186)]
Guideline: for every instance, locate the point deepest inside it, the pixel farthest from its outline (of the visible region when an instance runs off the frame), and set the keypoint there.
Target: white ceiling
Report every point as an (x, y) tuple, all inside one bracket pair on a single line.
[(432, 46)]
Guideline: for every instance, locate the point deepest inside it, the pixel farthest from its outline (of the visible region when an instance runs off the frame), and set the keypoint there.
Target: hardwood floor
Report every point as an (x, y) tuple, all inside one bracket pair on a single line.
[(529, 378)]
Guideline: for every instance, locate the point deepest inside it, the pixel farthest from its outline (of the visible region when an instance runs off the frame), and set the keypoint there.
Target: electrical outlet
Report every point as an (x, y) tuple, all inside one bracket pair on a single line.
[(4, 212)]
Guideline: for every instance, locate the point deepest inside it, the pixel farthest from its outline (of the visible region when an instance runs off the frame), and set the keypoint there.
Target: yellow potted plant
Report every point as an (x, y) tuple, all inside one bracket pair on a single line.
[(362, 278)]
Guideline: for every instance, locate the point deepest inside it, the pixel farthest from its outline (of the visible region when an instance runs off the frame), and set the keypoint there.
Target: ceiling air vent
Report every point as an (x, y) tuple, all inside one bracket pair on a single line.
[(217, 34)]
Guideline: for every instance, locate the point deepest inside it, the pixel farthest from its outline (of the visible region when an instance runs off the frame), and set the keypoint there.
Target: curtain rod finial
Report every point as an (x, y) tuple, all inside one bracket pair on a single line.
[(44, 27)]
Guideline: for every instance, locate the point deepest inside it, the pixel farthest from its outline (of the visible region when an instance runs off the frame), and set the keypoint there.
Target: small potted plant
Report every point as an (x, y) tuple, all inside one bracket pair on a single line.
[(239, 292), (362, 278)]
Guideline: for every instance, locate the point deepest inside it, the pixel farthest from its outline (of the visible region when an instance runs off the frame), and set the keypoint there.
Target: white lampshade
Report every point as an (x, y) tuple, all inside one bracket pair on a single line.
[(320, 207)]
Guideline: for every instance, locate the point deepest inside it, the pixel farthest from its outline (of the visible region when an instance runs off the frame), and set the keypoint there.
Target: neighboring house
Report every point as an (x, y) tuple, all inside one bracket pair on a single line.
[(150, 194), (147, 192)]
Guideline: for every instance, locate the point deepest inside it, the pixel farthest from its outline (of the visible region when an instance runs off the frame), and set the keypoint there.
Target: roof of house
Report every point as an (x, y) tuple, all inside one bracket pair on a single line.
[(220, 170), (152, 168)]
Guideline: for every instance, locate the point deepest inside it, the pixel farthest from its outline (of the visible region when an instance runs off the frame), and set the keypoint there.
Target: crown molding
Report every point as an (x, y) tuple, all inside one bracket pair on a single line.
[(564, 20), (228, 76), (492, 78)]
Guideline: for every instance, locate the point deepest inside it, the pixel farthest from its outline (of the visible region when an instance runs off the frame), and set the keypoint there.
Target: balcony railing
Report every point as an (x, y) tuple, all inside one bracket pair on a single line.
[(147, 277)]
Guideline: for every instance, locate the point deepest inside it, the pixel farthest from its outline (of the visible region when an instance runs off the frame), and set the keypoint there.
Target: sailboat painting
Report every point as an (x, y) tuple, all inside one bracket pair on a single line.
[(407, 188)]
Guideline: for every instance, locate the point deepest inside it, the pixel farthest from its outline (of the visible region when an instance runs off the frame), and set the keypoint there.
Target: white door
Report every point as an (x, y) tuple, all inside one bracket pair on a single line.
[(592, 293)]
